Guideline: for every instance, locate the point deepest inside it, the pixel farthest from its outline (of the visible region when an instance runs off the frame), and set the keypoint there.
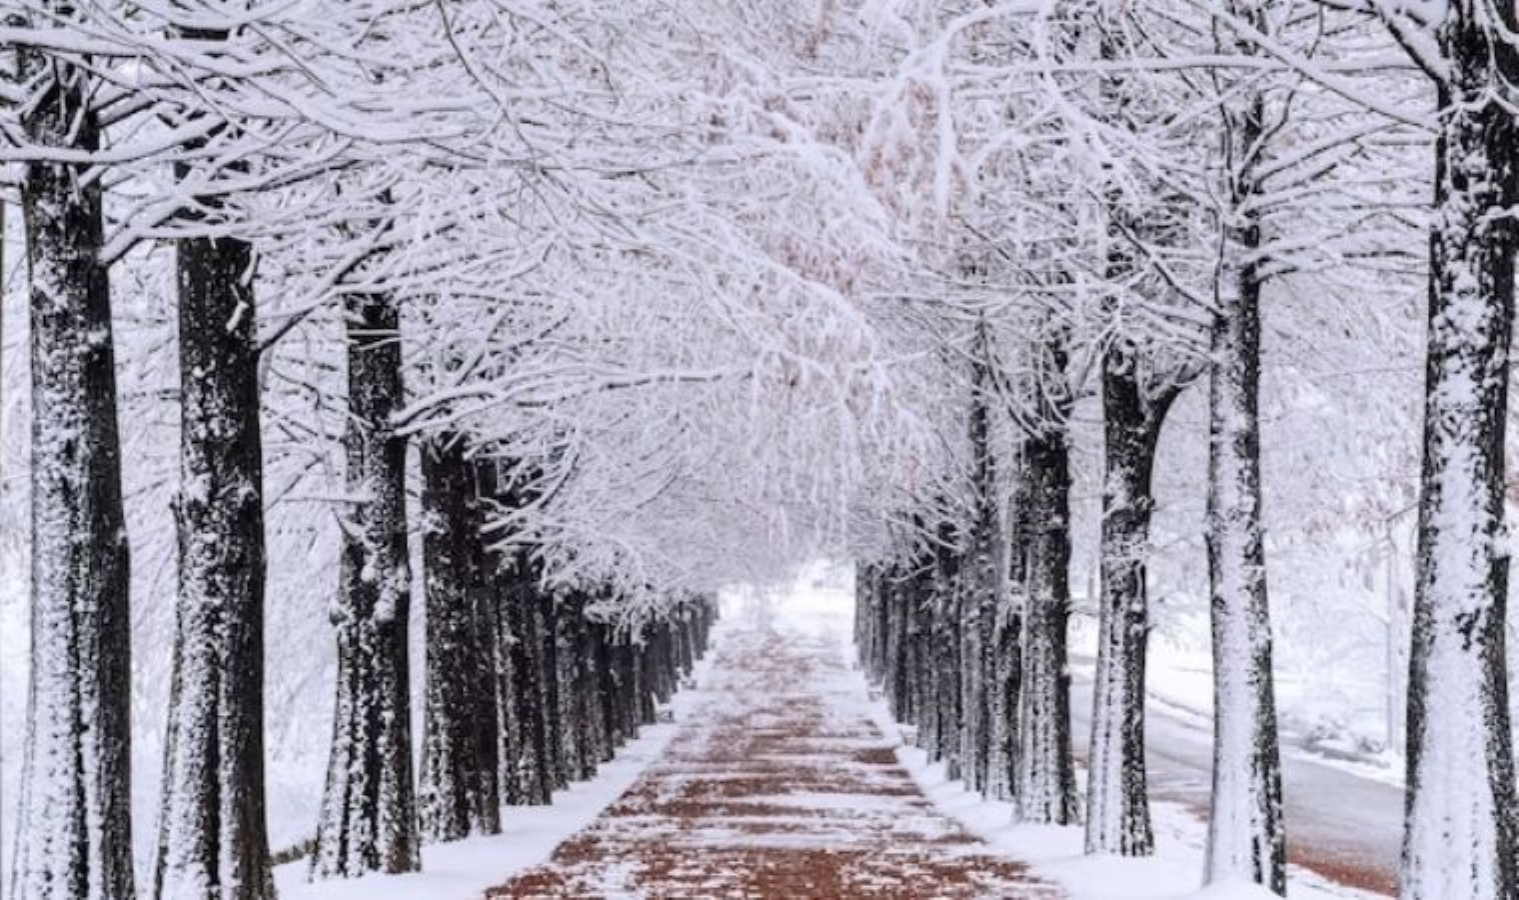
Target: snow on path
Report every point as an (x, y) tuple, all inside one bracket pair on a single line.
[(781, 788)]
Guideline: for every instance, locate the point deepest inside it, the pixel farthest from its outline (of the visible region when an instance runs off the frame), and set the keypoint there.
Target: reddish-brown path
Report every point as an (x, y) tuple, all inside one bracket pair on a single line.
[(779, 787)]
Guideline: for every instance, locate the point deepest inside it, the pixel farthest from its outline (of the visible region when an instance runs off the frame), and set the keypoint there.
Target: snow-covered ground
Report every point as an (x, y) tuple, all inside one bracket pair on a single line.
[(1336, 718)]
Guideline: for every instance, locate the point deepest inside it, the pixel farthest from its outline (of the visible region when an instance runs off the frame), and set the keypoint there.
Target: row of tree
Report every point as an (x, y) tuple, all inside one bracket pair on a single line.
[(1231, 155), (351, 160), (576, 685)]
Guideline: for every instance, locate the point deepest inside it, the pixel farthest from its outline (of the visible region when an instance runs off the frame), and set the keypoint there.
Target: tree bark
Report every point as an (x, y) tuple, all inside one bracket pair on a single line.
[(982, 580), (945, 658), (1118, 805), (547, 614), (529, 764), (1046, 783), (1245, 834), (213, 841), (920, 681), (1005, 698), (1460, 841), (74, 819), (459, 794), (369, 816)]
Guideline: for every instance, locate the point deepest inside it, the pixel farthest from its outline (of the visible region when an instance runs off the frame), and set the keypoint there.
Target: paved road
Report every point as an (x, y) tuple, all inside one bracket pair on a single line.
[(1344, 827), (782, 788)]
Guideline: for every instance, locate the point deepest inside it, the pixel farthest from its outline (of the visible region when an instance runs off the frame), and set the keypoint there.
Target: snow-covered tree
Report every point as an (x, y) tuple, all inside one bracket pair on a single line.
[(75, 819), (1460, 831)]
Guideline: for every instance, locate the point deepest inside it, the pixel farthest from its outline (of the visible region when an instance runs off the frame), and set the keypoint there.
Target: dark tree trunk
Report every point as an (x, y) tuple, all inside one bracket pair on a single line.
[(879, 622), (919, 680), (609, 724), (558, 741), (864, 619), (213, 833), (369, 813), (1118, 805), (459, 793), (527, 766), (643, 662), (74, 820), (583, 677), (213, 840), (982, 580), (1460, 840), (946, 654), (661, 677), (1045, 789), (1003, 699), (898, 642)]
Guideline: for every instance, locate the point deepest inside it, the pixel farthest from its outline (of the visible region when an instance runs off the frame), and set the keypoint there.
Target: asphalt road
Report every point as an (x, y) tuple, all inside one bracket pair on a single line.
[(1340, 825)]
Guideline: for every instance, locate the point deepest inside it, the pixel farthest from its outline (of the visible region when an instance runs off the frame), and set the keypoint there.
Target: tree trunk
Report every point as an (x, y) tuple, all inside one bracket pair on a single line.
[(554, 726), (578, 659), (945, 657), (563, 712), (213, 841), (1460, 840), (920, 682), (899, 643), (73, 826), (368, 816), (1118, 805), (1245, 835), (1046, 783), (532, 760), (983, 582), (608, 690), (459, 793), (1005, 699), (865, 600)]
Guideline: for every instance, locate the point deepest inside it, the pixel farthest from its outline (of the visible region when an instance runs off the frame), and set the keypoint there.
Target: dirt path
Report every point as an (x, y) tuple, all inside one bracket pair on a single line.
[(781, 788)]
